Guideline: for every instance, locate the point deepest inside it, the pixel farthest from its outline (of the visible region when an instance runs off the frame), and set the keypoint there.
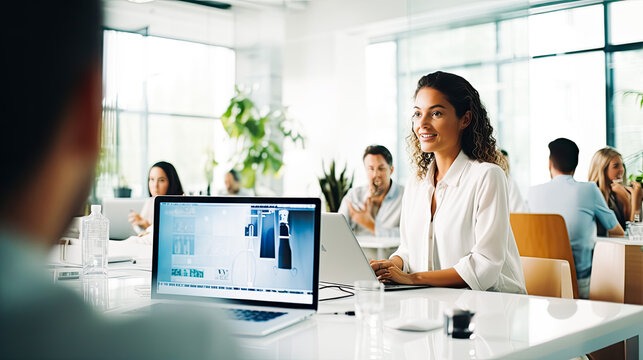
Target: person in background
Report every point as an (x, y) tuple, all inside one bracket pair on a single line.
[(232, 180), (608, 172), (581, 204), (161, 180), (53, 115), (516, 202), (454, 227), (374, 209)]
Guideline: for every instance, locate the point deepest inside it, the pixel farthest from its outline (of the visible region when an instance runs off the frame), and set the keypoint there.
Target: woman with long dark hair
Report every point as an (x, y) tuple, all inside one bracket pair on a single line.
[(454, 227), (161, 180)]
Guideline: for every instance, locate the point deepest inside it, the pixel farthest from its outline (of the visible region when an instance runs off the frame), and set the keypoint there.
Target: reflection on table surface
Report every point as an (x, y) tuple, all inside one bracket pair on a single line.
[(506, 325)]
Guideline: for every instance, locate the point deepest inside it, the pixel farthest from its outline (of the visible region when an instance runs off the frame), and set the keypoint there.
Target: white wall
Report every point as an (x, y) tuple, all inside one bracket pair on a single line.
[(311, 60), (325, 85)]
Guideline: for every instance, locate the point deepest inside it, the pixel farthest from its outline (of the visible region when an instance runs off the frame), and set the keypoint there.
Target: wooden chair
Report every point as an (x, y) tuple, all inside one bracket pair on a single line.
[(547, 277), (544, 236)]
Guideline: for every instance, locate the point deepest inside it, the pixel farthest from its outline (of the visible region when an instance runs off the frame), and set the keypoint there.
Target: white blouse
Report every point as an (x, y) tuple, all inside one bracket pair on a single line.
[(471, 230)]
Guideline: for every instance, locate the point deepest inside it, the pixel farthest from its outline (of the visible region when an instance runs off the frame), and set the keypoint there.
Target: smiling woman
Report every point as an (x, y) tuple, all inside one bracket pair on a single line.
[(454, 227), (608, 172)]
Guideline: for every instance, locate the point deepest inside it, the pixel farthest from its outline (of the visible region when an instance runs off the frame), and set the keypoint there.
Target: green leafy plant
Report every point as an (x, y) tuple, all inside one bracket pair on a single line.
[(637, 94), (639, 100), (334, 188), (208, 165), (107, 165), (258, 137)]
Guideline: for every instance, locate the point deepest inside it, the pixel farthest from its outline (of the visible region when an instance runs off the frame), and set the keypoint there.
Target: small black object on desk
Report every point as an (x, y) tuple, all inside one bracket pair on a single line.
[(457, 323)]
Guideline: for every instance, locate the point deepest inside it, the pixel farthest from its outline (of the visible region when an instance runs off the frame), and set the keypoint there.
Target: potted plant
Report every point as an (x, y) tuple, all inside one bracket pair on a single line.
[(122, 189), (106, 166), (209, 163), (637, 94), (257, 137), (334, 188)]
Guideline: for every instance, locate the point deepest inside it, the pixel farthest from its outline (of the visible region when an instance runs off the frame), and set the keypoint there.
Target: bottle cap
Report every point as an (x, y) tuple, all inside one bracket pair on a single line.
[(95, 209)]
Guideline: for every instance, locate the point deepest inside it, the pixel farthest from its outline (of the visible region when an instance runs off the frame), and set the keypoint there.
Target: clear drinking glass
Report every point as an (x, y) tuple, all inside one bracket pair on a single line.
[(369, 298), (635, 231), (369, 303)]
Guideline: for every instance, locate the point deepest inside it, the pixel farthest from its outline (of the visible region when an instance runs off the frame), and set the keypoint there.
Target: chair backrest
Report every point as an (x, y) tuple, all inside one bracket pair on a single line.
[(547, 277), (544, 236)]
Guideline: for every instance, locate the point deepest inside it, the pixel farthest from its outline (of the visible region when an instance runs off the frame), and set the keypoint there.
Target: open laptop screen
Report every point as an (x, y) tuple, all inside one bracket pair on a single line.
[(257, 249)]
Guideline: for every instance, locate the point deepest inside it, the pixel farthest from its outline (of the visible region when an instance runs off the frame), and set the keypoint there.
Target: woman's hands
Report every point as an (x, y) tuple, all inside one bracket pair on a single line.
[(386, 270), (137, 220), (619, 190)]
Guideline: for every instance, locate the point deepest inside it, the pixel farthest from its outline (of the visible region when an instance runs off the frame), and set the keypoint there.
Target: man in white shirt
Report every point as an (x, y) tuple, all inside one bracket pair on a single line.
[(579, 203), (374, 209), (53, 58)]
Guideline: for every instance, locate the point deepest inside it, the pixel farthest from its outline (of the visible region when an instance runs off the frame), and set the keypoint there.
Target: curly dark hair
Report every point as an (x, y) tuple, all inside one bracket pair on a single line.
[(477, 141)]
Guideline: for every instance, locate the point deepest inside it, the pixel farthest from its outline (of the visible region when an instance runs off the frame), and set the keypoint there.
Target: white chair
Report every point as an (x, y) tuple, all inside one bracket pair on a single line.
[(547, 277)]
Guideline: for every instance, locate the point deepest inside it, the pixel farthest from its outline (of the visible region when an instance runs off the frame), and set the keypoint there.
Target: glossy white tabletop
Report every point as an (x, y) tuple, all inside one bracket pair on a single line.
[(506, 325), (620, 240), (512, 326)]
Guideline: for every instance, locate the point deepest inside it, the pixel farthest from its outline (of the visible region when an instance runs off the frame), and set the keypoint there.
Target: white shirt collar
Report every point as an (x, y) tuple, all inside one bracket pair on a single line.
[(453, 175)]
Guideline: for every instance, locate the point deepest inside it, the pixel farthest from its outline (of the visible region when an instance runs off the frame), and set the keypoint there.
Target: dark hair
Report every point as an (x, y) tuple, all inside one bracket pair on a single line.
[(477, 142), (379, 150), (235, 175), (563, 154), (175, 187), (52, 47)]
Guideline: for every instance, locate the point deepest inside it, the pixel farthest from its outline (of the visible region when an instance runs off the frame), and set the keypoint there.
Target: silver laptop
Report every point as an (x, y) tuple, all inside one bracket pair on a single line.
[(117, 211), (342, 259), (258, 258)]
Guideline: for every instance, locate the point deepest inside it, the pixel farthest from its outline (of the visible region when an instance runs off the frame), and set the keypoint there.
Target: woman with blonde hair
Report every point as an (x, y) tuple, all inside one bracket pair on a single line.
[(608, 172), (454, 226)]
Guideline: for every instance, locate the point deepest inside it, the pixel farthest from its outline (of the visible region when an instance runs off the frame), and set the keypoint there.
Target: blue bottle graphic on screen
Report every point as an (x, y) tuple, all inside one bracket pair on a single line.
[(285, 253)]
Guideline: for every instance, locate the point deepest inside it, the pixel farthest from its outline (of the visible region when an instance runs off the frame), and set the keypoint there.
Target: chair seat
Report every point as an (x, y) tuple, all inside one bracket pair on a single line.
[(547, 277)]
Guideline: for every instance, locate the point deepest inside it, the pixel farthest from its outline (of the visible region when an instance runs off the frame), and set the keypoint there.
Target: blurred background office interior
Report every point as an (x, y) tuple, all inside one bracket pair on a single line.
[(346, 71)]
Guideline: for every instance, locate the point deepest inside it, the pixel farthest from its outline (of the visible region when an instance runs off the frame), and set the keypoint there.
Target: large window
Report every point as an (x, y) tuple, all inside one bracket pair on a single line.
[(542, 74), (164, 98)]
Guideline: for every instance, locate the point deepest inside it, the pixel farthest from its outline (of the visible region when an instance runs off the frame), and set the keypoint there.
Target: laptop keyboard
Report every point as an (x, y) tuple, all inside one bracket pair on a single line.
[(253, 315)]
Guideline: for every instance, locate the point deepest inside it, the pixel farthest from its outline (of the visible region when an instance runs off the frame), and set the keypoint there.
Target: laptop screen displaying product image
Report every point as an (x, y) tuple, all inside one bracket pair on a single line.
[(245, 250)]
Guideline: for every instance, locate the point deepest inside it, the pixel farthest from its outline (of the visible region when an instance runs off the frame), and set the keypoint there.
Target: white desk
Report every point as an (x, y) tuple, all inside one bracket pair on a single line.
[(378, 243), (619, 240), (507, 326), (72, 254)]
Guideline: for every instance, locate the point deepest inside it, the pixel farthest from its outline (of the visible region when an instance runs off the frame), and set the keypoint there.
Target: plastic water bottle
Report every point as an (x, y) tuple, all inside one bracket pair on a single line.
[(94, 236)]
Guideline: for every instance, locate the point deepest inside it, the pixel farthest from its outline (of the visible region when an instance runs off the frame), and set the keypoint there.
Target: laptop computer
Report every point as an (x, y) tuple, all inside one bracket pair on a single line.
[(342, 259), (117, 211), (256, 257)]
